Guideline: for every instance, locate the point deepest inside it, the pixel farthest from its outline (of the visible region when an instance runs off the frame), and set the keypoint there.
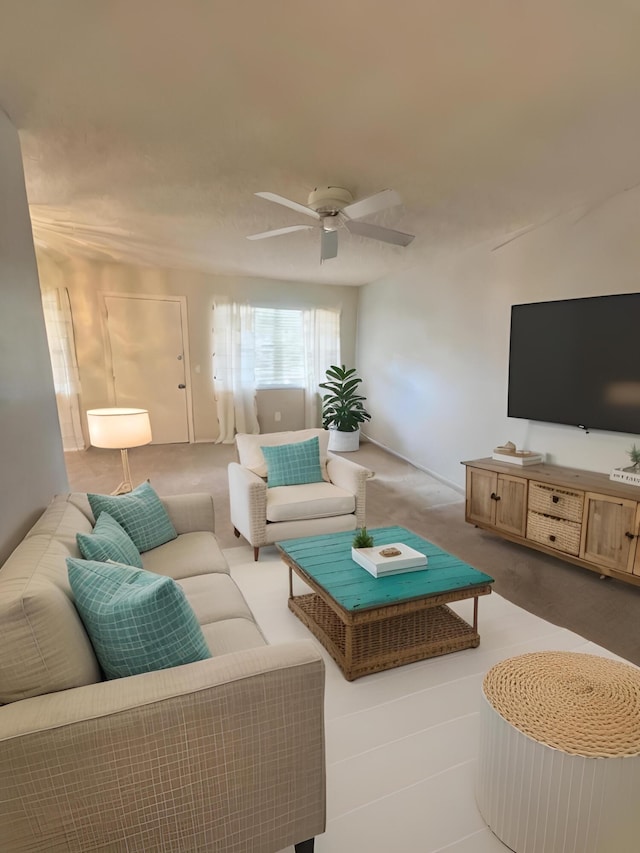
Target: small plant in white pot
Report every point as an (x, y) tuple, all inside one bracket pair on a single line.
[(362, 539), (342, 408)]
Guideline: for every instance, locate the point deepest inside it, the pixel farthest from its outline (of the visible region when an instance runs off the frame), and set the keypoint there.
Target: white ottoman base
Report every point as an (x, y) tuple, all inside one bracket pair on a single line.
[(538, 799)]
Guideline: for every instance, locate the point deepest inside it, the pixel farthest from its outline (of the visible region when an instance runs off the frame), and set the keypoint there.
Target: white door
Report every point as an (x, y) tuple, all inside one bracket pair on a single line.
[(148, 362)]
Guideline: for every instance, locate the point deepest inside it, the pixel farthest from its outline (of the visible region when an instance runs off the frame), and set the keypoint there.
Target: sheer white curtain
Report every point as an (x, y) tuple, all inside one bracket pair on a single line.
[(234, 378), (66, 378), (322, 349)]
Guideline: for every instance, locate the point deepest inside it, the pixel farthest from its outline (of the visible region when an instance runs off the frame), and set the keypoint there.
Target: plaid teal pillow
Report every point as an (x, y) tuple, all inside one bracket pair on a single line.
[(109, 541), (137, 621), (141, 514), (293, 464)]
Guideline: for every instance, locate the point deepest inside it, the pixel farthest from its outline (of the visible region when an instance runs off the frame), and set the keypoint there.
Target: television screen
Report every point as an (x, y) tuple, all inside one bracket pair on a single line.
[(577, 361)]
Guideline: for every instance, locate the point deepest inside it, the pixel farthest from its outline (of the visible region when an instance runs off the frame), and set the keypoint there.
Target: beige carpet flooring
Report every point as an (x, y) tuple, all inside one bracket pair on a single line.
[(603, 611)]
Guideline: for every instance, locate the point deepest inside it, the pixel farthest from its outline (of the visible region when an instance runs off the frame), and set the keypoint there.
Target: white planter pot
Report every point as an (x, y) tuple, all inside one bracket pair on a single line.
[(343, 442)]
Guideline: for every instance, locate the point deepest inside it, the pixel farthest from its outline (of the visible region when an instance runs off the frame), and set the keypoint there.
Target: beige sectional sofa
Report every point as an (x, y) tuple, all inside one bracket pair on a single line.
[(225, 754)]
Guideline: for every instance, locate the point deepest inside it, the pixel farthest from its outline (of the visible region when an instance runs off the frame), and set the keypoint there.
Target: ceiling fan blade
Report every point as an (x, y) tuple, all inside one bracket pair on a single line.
[(372, 204), (277, 231), (328, 245), (376, 232), (294, 205)]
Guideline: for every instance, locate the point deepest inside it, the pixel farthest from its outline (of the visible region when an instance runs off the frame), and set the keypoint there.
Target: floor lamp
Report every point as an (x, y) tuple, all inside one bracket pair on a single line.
[(119, 429)]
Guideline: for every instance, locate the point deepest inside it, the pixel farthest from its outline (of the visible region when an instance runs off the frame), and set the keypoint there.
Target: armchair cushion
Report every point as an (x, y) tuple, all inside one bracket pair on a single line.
[(140, 512), (293, 464), (312, 500), (250, 453), (109, 541), (137, 621)]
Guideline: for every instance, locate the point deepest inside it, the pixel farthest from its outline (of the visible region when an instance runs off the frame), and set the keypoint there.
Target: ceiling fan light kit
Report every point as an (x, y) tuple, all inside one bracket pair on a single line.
[(335, 206)]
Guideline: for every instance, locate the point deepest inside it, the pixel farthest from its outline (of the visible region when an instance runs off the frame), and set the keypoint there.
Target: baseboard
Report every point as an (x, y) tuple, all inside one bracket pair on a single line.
[(428, 471)]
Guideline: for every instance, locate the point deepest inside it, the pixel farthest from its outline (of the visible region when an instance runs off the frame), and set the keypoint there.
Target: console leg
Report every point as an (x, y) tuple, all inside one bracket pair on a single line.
[(305, 846), (256, 551)]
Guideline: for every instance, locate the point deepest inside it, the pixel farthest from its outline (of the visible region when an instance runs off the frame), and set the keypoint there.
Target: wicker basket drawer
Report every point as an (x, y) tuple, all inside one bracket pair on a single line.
[(555, 532), (560, 503)]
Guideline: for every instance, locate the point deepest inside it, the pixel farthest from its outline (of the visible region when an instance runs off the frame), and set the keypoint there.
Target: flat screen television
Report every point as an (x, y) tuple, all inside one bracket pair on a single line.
[(577, 362)]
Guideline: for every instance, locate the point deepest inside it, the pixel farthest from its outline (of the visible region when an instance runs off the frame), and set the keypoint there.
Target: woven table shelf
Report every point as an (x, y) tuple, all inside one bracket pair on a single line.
[(379, 644)]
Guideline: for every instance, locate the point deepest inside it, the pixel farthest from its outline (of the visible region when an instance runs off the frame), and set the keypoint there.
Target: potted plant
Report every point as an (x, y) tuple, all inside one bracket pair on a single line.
[(342, 408), (634, 456), (362, 539)]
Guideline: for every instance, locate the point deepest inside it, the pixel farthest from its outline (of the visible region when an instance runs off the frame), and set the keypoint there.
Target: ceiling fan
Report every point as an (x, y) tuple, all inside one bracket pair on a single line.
[(333, 207)]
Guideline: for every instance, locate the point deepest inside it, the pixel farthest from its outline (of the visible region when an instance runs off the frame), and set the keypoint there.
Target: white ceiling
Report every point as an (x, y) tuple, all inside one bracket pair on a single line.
[(147, 125)]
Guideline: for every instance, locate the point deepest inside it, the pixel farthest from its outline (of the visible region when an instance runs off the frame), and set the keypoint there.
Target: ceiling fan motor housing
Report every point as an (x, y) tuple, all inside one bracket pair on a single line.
[(329, 199)]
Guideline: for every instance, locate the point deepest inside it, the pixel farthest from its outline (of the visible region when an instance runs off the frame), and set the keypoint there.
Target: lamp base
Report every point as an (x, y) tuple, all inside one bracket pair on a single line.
[(125, 486), (123, 489)]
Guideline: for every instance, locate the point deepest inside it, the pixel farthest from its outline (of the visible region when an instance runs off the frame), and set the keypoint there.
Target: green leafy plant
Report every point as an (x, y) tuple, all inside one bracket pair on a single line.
[(362, 539), (342, 407), (634, 456)]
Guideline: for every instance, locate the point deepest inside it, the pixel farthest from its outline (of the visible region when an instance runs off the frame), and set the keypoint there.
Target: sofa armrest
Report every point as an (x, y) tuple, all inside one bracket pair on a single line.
[(352, 478), (248, 504), (224, 754), (191, 513)]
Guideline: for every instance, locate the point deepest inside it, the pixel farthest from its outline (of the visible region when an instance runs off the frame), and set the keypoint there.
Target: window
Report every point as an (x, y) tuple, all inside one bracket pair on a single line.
[(279, 347), (265, 348)]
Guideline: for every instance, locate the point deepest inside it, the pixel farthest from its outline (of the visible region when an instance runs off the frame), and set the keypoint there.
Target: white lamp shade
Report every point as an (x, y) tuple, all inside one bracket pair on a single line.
[(118, 428)]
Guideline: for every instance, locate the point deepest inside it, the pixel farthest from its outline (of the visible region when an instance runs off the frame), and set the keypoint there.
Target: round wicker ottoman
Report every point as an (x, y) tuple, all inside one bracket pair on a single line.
[(559, 763)]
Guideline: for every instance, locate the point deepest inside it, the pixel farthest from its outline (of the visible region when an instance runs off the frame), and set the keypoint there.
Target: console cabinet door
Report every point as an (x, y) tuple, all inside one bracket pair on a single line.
[(497, 499), (511, 504), (608, 531), (480, 505), (636, 561)]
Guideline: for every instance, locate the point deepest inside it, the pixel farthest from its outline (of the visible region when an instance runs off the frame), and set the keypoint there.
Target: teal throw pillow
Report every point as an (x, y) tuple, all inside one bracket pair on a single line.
[(141, 514), (137, 621), (293, 464), (109, 541)]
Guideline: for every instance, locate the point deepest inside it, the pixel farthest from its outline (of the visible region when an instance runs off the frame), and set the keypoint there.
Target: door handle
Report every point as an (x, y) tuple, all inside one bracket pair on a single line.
[(182, 385)]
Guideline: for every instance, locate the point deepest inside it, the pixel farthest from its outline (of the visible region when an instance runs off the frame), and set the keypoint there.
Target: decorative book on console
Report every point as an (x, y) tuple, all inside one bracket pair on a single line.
[(623, 475), (509, 454), (393, 559)]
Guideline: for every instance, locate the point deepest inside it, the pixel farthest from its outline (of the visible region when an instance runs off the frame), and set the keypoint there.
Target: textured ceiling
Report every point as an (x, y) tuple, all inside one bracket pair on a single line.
[(148, 125)]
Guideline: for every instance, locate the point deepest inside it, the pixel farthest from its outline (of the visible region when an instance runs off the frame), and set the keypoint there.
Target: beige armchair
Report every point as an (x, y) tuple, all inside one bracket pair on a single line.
[(265, 515)]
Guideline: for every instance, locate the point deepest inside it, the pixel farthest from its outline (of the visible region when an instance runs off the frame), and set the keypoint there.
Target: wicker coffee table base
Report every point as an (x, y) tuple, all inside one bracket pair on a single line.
[(382, 638)]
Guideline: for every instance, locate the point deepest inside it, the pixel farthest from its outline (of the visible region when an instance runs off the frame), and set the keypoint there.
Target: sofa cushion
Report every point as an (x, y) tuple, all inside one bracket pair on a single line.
[(109, 541), (138, 621), (214, 598), (44, 645), (63, 520), (250, 453), (140, 512), (232, 635), (293, 464), (312, 500), (189, 555)]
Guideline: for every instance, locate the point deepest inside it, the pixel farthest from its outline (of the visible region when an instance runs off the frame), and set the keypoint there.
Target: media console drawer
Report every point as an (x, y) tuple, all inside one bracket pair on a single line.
[(555, 501), (554, 532)]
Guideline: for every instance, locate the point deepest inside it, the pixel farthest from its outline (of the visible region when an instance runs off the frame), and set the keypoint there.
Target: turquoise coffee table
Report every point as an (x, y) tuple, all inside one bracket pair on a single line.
[(370, 624)]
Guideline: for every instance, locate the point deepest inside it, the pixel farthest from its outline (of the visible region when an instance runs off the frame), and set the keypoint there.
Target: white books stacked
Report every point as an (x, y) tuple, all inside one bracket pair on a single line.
[(520, 457), (383, 560)]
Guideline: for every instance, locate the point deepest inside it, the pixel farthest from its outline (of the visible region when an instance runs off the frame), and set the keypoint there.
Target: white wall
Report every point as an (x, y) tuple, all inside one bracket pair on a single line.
[(31, 456), (433, 343), (86, 279)]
